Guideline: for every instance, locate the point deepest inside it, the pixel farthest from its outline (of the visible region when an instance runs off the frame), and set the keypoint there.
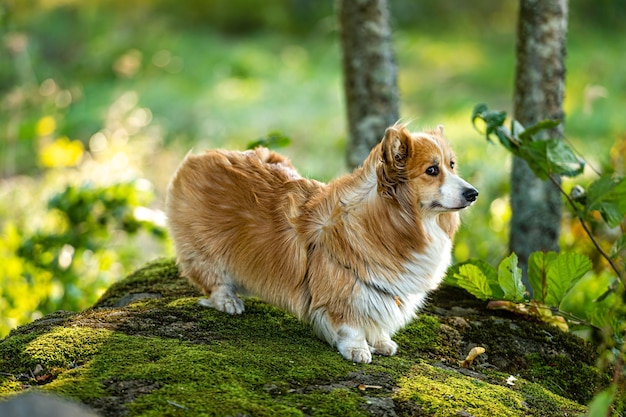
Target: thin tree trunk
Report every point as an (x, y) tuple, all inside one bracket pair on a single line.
[(539, 88), (370, 74)]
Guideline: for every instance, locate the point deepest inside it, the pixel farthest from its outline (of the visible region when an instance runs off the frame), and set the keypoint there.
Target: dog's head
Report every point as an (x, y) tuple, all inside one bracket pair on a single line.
[(421, 166)]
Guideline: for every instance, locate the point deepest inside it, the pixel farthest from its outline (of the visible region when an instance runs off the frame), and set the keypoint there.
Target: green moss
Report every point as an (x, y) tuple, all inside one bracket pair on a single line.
[(8, 385), (60, 347), (443, 393), (169, 356), (339, 402), (563, 362), (421, 335), (227, 377), (159, 277), (209, 363), (64, 347), (564, 376), (542, 402)]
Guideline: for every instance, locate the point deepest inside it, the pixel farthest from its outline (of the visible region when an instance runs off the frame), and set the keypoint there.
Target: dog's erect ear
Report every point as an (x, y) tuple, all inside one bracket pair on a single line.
[(396, 146), (395, 151)]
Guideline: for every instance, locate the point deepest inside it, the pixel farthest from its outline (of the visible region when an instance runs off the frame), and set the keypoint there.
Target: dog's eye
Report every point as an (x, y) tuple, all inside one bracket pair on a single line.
[(432, 170), (452, 164)]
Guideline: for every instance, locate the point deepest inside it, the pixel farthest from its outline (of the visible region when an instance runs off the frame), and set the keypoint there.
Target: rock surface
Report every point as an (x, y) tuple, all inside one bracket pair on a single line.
[(146, 348)]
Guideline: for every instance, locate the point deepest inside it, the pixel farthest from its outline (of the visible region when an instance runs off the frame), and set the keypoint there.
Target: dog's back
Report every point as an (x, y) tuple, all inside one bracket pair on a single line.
[(229, 215)]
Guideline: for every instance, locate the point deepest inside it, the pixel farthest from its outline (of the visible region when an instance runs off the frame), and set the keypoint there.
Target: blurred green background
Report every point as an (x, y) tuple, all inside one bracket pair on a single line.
[(100, 100)]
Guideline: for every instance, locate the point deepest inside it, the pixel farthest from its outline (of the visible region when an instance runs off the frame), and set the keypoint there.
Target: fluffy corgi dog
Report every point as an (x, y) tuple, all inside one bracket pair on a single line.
[(355, 257)]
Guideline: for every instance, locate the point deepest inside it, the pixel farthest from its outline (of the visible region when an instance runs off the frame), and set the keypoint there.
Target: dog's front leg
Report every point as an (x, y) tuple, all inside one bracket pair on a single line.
[(383, 345), (352, 344)]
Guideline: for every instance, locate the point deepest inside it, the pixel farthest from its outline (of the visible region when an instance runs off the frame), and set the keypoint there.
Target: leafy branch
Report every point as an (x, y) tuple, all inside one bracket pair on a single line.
[(552, 276), (551, 158)]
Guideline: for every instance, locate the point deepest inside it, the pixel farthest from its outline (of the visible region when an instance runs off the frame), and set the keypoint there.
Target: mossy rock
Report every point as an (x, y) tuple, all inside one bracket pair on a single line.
[(146, 348)]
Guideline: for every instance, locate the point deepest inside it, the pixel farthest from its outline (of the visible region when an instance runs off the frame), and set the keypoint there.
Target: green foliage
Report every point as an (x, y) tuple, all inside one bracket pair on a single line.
[(273, 140), (554, 276), (510, 279), (551, 275), (601, 404), (550, 158), (607, 195), (67, 265), (545, 157)]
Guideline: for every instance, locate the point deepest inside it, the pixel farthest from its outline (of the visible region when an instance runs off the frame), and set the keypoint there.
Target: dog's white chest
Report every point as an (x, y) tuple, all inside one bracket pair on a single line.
[(425, 270), (395, 297)]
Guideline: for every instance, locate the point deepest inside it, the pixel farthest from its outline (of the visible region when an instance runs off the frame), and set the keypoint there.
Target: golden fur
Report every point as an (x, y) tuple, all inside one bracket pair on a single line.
[(355, 257)]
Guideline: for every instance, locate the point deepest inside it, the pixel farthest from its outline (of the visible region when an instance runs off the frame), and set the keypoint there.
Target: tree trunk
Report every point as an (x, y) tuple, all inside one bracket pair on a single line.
[(539, 88), (370, 74)]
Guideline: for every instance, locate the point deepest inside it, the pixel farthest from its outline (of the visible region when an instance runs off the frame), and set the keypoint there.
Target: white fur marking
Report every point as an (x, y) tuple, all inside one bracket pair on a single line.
[(391, 301), (352, 344)]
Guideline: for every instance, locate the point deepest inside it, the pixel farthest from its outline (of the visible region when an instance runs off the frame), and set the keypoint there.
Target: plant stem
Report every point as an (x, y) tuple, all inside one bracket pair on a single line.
[(586, 228)]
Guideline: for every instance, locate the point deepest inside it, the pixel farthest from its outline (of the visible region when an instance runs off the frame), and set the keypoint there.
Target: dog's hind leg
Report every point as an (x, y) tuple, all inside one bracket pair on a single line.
[(214, 282), (223, 298)]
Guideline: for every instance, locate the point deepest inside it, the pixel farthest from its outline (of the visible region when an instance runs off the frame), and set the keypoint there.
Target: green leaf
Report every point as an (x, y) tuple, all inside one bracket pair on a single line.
[(551, 156), (472, 279), (608, 196), (535, 155), (601, 403), (562, 273), (510, 279), (454, 275), (273, 140), (562, 159), (618, 247), (529, 133), (492, 119), (479, 109), (516, 128), (506, 139), (538, 263)]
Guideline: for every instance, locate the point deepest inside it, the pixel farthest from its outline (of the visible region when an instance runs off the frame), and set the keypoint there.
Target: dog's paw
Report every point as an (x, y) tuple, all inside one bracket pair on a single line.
[(386, 347), (357, 354), (226, 304)]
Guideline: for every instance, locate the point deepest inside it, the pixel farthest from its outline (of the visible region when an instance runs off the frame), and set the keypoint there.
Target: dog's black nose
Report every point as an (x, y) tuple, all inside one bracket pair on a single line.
[(470, 194)]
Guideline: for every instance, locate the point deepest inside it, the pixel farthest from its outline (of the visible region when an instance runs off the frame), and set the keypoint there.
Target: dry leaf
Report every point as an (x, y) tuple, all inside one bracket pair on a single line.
[(398, 300), (473, 354)]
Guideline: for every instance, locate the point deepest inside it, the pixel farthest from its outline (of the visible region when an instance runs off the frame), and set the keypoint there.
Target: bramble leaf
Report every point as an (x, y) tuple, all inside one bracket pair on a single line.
[(528, 133), (538, 263), (562, 273), (454, 276), (492, 119), (544, 157), (562, 159), (608, 196), (472, 279), (551, 156), (510, 279)]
